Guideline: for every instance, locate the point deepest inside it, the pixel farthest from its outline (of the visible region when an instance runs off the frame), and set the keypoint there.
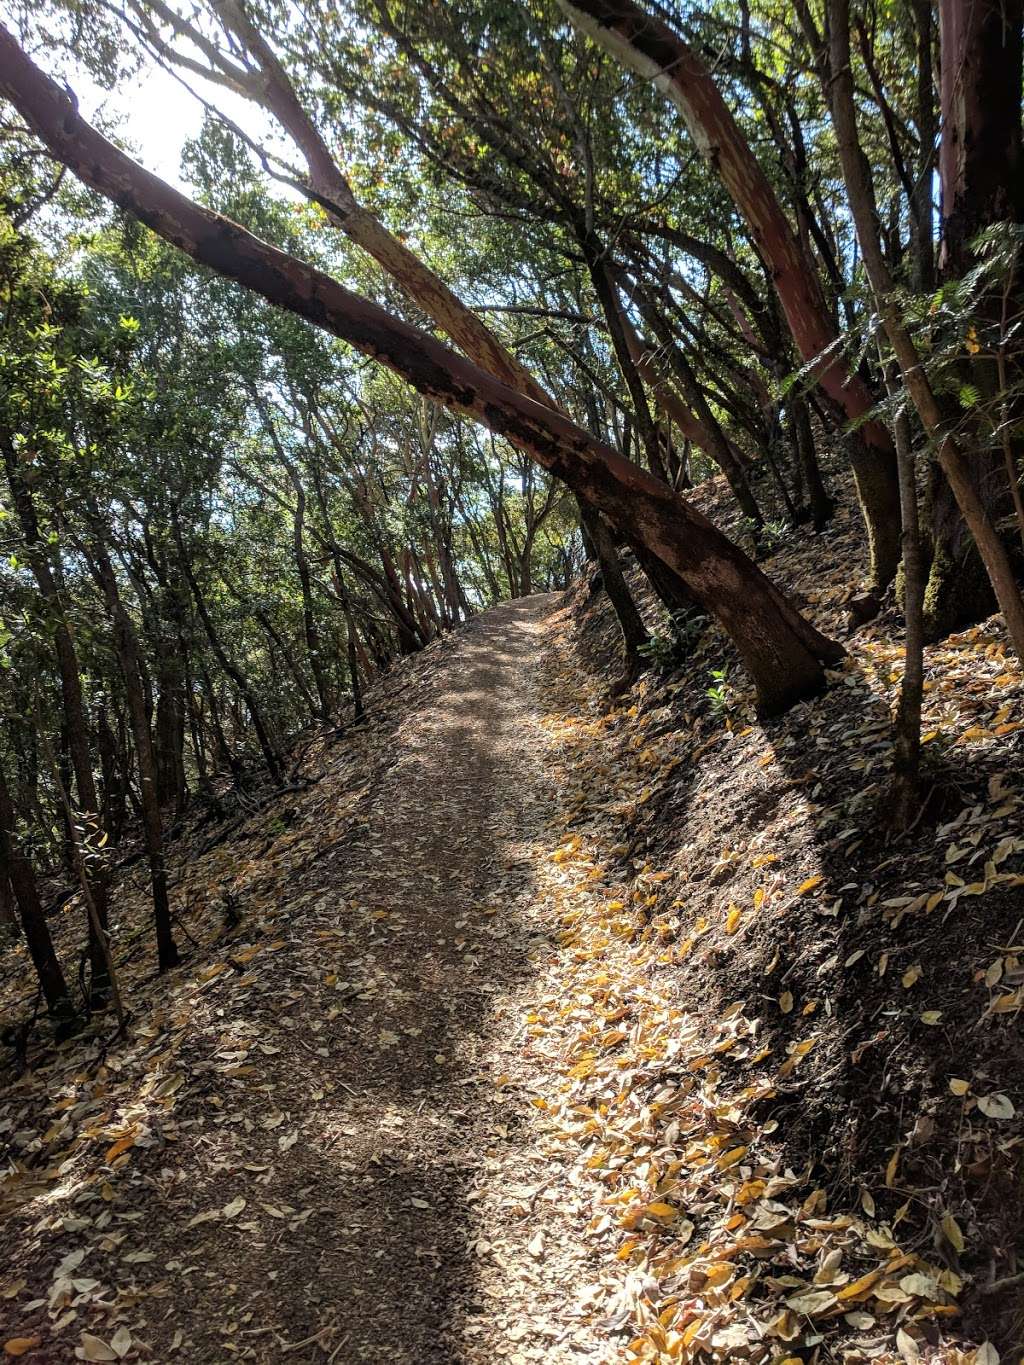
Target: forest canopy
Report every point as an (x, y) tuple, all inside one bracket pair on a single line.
[(511, 543)]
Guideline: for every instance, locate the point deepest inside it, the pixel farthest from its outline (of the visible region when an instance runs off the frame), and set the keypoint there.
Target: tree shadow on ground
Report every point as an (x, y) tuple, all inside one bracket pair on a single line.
[(861, 942), (349, 1095)]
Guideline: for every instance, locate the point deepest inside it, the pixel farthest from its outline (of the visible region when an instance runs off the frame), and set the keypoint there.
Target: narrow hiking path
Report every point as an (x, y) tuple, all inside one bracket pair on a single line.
[(321, 1147), (490, 1046), (438, 1193)]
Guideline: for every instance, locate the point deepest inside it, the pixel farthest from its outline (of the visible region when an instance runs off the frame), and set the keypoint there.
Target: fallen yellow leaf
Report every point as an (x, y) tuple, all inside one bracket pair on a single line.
[(860, 1287), (730, 1158), (114, 1151), (890, 1170), (659, 1209), (719, 1274), (952, 1230), (18, 1346)]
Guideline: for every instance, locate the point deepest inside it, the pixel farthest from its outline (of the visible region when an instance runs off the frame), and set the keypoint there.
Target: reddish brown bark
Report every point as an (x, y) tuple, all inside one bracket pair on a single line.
[(327, 182), (712, 439), (981, 169), (982, 182), (951, 456), (782, 651), (650, 47)]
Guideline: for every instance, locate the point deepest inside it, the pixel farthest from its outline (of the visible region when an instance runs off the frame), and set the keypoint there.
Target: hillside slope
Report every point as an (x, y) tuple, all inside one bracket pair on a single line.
[(540, 1026), (813, 1070)]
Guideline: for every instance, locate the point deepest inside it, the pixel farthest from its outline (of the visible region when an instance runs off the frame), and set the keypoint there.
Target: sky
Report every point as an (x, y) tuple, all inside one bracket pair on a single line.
[(157, 115)]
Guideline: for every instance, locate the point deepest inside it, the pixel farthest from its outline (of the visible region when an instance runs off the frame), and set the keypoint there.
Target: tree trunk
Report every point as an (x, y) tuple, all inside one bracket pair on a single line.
[(169, 737), (906, 795), (8, 905), (351, 643), (981, 171), (951, 457), (237, 677), (980, 160), (821, 504), (167, 645), (311, 632), (607, 293), (631, 623), (76, 728), (225, 754), (16, 868), (714, 441), (132, 672), (195, 725), (648, 46), (921, 214), (783, 653), (309, 626), (112, 772)]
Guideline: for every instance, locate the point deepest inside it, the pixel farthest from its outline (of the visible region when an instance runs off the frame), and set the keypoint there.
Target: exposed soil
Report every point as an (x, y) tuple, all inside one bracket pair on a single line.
[(542, 1026), (365, 1092)]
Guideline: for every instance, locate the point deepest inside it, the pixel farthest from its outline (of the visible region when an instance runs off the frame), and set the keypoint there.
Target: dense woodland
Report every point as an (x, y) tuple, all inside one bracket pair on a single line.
[(466, 301)]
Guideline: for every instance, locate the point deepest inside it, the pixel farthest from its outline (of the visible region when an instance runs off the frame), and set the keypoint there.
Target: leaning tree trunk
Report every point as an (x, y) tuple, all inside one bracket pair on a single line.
[(273, 89), (716, 445), (650, 47), (603, 281), (783, 653)]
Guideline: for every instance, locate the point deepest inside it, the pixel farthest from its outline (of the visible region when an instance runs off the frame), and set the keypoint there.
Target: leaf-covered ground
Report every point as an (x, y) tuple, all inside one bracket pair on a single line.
[(316, 1143), (790, 1047), (542, 1028)]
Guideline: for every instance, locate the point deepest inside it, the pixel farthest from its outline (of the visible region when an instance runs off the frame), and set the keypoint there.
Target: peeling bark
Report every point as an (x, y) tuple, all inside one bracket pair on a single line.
[(647, 45)]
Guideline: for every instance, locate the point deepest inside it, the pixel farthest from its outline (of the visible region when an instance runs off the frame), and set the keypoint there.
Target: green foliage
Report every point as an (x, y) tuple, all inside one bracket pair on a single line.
[(669, 649), (719, 694), (173, 422)]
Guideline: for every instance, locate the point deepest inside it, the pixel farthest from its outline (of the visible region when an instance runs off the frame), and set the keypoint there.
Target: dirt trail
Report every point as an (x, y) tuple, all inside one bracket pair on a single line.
[(331, 1150), (439, 1194)]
